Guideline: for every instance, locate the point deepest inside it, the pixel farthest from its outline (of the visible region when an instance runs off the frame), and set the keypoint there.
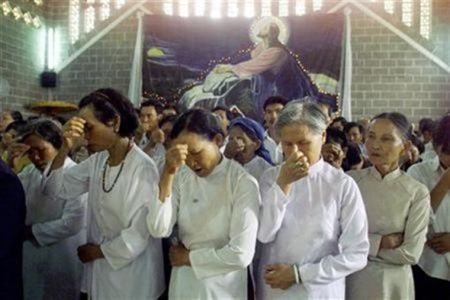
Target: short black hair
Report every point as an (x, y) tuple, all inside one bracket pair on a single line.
[(167, 119), (47, 130), (16, 115), (227, 111), (336, 136), (18, 126), (151, 102), (441, 135), (197, 121), (427, 124), (418, 143), (400, 121), (339, 119), (171, 106), (275, 100), (109, 103), (353, 155), (348, 126)]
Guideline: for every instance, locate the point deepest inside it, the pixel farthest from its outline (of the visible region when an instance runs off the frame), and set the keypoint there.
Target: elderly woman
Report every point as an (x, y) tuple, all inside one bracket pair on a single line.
[(397, 209), (312, 219), (122, 261), (432, 273), (246, 146), (55, 227)]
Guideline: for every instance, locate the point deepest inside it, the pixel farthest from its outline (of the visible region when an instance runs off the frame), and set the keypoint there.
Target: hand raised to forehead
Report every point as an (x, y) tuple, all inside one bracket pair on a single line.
[(176, 157), (72, 130)]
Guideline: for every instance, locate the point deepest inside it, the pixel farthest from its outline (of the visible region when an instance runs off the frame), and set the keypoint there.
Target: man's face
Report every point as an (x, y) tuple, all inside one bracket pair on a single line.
[(271, 113)]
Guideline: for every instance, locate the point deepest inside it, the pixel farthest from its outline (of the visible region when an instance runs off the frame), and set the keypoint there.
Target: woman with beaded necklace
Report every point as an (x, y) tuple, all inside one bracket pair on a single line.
[(122, 260)]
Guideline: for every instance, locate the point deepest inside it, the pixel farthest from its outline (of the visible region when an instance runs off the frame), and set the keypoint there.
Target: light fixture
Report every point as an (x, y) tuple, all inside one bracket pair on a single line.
[(17, 12), (6, 8), (38, 2), (37, 22), (27, 18)]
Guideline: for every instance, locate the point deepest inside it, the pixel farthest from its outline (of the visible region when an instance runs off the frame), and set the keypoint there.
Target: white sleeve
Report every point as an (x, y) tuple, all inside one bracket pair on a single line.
[(162, 216), (71, 222), (414, 236), (133, 240), (238, 253), (353, 243), (67, 183), (273, 209)]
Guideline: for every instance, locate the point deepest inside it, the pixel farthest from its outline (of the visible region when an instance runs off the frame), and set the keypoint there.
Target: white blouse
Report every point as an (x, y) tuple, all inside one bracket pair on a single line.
[(429, 173), (132, 267), (51, 268), (320, 226), (257, 166), (395, 203), (217, 220)]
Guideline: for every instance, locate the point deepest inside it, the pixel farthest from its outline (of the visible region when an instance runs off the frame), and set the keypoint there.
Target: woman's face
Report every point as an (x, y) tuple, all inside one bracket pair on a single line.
[(298, 137), (99, 136), (249, 146), (41, 152), (203, 154), (384, 144)]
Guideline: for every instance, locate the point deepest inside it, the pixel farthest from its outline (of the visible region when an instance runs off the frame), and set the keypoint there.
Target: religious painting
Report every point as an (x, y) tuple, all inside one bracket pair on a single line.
[(240, 62)]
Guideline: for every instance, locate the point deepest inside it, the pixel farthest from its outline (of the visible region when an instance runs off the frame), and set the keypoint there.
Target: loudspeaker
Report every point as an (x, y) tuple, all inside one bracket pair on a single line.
[(48, 79)]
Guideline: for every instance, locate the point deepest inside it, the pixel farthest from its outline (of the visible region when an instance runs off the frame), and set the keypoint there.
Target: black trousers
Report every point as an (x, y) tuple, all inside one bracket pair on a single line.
[(430, 288)]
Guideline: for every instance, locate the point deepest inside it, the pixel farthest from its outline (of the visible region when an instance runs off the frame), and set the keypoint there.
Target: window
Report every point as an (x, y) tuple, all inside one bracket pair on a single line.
[(266, 8), (199, 8), (407, 12), (105, 10), (216, 9), (89, 16), (74, 20), (389, 6), (283, 8), (425, 18), (168, 7), (317, 5), (120, 3), (233, 8), (300, 8), (183, 8), (249, 8)]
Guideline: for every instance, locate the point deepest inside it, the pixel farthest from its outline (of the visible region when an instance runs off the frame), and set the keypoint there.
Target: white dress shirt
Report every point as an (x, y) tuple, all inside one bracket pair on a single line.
[(321, 226), (276, 153), (257, 166)]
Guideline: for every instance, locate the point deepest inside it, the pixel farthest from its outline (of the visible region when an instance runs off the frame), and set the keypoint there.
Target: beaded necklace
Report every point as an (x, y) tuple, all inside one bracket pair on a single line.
[(107, 190)]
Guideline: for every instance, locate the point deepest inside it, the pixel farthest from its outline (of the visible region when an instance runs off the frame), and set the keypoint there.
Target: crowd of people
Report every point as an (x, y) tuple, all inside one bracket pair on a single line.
[(152, 203)]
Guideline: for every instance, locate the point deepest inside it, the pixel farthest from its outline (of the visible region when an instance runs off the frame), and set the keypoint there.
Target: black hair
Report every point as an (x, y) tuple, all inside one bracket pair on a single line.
[(47, 130), (400, 121), (426, 124), (171, 106), (16, 115), (353, 155), (167, 119), (336, 136), (107, 104), (339, 119), (275, 100), (18, 126), (348, 126), (441, 135), (197, 121), (228, 112), (151, 102), (418, 143)]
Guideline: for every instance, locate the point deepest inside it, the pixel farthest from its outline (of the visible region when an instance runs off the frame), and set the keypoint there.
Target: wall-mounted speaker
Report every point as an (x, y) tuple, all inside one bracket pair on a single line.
[(48, 79)]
